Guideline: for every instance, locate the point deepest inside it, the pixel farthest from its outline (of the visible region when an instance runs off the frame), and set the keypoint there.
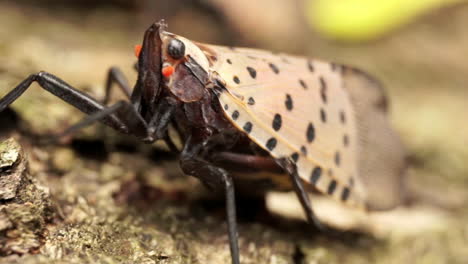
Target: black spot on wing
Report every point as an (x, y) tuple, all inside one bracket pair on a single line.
[(274, 68), (315, 175), (252, 72), (345, 194), (288, 102), (248, 127), (345, 140), (229, 61), (323, 115), (236, 79), (331, 187), (251, 101), (235, 115), (277, 122), (271, 144), (295, 156), (323, 90), (337, 159), (302, 83), (226, 107), (310, 66), (304, 150), (342, 117), (310, 133)]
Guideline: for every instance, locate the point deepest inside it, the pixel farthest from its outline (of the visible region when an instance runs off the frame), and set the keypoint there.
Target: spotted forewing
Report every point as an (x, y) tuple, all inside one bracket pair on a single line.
[(317, 114), (294, 108)]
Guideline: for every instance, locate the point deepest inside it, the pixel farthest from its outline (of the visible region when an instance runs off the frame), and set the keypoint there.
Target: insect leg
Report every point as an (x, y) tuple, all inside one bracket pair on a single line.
[(90, 119), (115, 75), (135, 125), (301, 193), (217, 179), (159, 122), (123, 120)]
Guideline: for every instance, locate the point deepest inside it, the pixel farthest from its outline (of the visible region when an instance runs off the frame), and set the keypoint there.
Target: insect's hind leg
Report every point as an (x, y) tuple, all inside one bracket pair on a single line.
[(217, 179), (301, 193)]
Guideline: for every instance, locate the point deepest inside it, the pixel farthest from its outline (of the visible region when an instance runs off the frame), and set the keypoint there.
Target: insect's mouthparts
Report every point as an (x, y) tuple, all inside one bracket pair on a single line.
[(150, 64)]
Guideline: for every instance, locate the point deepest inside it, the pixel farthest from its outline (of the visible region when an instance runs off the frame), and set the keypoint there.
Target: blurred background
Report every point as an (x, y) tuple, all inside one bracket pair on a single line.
[(417, 49)]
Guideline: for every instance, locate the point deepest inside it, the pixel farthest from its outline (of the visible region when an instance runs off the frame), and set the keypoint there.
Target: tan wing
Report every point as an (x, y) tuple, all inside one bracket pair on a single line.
[(293, 107), (382, 160)]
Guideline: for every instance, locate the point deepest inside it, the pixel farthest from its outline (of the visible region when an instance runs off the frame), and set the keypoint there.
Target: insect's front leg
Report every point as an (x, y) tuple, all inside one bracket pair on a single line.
[(159, 122), (193, 163), (122, 116), (290, 167), (158, 126)]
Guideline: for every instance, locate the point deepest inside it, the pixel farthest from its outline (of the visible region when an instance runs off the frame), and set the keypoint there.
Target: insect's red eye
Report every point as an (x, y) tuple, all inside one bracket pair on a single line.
[(167, 71), (137, 50)]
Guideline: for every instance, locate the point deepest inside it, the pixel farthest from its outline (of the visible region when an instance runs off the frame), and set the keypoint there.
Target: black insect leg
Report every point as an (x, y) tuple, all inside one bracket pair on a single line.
[(86, 122), (62, 90), (115, 75), (159, 122), (216, 179), (301, 193), (124, 118)]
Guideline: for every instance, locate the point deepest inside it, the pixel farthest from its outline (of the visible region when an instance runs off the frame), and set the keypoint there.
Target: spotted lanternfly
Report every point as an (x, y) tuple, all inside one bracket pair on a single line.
[(246, 115)]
